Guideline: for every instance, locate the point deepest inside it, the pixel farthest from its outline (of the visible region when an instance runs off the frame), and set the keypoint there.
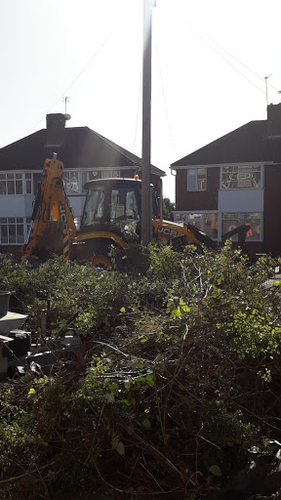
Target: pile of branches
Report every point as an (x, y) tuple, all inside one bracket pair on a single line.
[(166, 396)]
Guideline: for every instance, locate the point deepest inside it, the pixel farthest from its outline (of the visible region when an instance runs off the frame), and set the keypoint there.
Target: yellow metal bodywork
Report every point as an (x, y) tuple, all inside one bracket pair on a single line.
[(167, 231), (94, 247), (176, 232), (104, 235), (53, 226), (53, 229)]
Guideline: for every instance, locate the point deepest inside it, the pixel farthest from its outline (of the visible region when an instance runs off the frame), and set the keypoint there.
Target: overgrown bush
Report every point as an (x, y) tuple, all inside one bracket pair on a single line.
[(177, 377)]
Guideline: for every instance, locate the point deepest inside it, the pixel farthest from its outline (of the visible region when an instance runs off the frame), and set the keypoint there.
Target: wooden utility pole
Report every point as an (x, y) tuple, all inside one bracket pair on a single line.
[(146, 215)]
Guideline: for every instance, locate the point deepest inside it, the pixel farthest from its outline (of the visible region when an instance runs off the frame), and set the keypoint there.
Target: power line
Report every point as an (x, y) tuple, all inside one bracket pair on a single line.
[(237, 60), (164, 96), (232, 65), (138, 111), (76, 78)]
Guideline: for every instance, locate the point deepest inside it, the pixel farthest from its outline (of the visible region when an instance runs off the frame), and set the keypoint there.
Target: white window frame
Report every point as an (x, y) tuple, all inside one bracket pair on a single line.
[(220, 221), (199, 212), (196, 169), (106, 173), (15, 222), (253, 240), (12, 177), (243, 168), (67, 181), (27, 228), (88, 175), (28, 181)]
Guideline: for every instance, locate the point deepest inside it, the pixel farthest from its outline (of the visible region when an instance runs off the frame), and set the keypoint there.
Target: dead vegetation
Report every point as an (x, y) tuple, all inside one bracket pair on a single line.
[(177, 377)]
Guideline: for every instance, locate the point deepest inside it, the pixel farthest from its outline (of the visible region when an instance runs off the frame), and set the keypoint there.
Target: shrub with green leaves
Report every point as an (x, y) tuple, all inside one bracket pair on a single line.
[(177, 377)]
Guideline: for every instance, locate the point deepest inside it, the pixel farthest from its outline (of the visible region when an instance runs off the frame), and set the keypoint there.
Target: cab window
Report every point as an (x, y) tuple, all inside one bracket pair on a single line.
[(123, 205), (94, 208)]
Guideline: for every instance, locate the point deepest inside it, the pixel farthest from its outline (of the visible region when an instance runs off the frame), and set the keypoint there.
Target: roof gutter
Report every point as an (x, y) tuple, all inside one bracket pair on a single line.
[(215, 165)]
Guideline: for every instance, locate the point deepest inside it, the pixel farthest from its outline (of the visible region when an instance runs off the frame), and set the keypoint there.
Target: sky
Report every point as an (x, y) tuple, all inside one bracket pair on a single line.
[(209, 63)]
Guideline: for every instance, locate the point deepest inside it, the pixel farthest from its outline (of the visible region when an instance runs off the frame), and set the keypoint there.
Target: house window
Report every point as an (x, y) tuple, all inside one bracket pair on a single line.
[(11, 184), (37, 179), (11, 230), (241, 177), (32, 182), (28, 228), (89, 176), (98, 174), (196, 179), (70, 182), (28, 183), (106, 174), (3, 184), (205, 222), (232, 220)]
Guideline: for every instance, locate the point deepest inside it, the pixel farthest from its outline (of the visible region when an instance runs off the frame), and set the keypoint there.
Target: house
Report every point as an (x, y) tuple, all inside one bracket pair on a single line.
[(86, 155), (234, 180)]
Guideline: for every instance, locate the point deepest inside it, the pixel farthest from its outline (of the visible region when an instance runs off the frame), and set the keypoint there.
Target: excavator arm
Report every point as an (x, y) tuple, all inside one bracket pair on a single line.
[(181, 234), (52, 227)]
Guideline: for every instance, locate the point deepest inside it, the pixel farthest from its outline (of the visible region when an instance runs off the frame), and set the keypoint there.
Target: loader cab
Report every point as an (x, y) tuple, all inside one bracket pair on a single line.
[(114, 205)]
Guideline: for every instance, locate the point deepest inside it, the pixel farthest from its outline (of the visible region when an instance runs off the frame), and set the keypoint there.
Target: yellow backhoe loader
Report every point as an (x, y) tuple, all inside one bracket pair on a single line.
[(111, 216), (52, 228)]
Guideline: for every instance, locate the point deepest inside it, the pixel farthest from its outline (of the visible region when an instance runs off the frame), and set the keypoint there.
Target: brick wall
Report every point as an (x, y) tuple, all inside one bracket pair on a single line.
[(197, 200), (272, 209)]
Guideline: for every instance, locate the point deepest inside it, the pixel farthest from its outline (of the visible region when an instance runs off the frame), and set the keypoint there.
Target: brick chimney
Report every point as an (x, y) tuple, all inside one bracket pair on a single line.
[(274, 121), (55, 130)]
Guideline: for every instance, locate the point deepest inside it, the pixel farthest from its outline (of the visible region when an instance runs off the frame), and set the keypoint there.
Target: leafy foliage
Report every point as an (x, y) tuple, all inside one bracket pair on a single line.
[(177, 377), (167, 206)]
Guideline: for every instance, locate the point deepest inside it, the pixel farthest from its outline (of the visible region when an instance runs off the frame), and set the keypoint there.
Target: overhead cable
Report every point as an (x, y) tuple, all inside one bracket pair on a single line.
[(76, 78), (237, 60), (164, 96), (232, 65)]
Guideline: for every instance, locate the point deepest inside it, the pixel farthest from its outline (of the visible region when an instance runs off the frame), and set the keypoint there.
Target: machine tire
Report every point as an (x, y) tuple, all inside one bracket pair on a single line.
[(101, 261), (97, 254)]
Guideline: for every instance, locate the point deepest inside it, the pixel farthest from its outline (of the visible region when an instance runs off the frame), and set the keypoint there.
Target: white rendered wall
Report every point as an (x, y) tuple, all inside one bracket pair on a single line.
[(235, 200)]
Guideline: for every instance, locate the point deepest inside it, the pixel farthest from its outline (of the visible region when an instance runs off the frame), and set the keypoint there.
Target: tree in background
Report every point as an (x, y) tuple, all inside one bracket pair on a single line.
[(168, 207)]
